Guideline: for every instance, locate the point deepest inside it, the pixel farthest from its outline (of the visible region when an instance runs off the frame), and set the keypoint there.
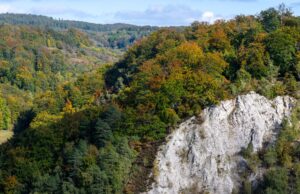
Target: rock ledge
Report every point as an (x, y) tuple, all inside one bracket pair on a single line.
[(203, 154)]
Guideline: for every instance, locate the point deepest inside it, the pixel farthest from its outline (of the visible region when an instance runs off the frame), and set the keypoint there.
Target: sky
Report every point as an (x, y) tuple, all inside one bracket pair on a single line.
[(143, 12)]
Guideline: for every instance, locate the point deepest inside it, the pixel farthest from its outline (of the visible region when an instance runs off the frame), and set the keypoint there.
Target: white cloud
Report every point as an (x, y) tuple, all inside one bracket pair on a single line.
[(210, 17), (10, 8), (206, 16), (166, 15), (61, 11), (4, 8)]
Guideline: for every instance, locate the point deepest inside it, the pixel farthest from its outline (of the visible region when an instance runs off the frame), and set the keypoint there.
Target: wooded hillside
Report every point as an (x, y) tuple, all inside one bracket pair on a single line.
[(83, 131)]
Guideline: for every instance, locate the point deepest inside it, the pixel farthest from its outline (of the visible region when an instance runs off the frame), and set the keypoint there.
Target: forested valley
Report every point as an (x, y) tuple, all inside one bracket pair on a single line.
[(88, 116)]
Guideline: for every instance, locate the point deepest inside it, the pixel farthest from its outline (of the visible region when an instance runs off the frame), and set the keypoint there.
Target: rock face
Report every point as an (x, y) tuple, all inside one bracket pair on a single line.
[(203, 154)]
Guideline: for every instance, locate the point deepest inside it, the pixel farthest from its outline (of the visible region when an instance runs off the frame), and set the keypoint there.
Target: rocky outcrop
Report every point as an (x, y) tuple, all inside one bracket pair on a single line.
[(203, 153)]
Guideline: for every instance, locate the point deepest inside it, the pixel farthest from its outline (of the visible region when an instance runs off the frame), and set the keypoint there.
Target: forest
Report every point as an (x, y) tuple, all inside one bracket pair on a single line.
[(88, 118), (116, 36)]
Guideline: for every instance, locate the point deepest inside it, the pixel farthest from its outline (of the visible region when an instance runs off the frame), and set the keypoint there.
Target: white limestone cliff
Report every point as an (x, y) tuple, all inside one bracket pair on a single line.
[(203, 154)]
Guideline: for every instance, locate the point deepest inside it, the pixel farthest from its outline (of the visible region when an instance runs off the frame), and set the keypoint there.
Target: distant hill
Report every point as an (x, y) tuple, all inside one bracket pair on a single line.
[(117, 35), (44, 21)]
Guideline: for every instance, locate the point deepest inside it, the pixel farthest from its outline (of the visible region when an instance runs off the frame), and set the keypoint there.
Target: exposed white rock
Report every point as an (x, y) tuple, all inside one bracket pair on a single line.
[(203, 154)]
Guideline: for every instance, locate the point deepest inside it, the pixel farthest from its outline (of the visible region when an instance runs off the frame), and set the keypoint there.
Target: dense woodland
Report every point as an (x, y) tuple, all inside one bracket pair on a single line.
[(83, 131), (36, 64), (117, 36)]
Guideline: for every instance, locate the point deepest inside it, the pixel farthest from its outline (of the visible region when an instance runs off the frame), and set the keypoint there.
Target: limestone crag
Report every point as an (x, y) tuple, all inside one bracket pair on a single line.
[(203, 153)]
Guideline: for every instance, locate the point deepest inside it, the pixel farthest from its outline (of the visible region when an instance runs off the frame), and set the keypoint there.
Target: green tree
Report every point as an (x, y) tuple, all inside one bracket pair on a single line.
[(270, 19), (282, 49), (102, 133), (5, 115), (276, 180)]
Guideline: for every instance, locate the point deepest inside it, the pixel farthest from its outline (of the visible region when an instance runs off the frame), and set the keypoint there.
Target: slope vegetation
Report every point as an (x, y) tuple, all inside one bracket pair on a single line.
[(90, 134)]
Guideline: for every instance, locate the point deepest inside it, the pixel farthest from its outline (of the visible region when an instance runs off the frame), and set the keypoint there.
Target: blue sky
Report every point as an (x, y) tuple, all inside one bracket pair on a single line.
[(143, 12)]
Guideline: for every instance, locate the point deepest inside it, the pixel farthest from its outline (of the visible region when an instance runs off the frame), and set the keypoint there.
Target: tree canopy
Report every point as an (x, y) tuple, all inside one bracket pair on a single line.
[(85, 126)]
